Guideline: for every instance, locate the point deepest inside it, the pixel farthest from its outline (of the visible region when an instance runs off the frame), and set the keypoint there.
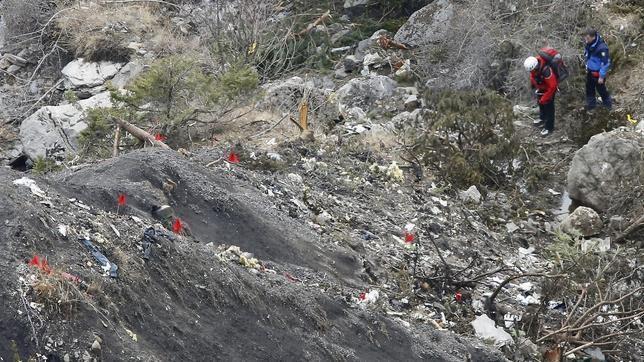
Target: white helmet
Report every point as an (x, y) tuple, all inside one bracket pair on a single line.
[(530, 64)]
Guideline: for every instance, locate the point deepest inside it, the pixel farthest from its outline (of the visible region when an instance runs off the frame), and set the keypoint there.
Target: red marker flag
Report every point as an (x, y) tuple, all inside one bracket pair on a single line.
[(409, 238), (41, 264), (233, 158), (122, 199), (160, 137), (177, 226), (458, 296)]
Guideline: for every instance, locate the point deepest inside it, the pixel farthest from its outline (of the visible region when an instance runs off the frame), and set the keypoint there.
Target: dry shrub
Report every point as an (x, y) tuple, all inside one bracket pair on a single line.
[(57, 294), (23, 17), (102, 32)]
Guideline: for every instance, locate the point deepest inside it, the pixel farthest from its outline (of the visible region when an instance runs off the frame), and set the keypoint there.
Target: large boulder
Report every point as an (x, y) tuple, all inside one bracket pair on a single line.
[(583, 221), (53, 131), (286, 96), (88, 78), (359, 94), (608, 170), (428, 25)]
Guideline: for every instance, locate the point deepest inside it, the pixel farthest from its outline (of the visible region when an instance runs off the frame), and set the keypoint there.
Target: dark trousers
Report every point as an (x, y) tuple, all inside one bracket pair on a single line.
[(592, 86), (547, 114)]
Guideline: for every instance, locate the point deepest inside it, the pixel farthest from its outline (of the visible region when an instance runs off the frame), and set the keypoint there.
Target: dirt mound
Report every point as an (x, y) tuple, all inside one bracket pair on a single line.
[(186, 302)]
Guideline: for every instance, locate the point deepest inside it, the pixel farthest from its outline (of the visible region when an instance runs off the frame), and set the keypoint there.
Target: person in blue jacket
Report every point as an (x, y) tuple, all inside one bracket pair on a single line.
[(597, 66)]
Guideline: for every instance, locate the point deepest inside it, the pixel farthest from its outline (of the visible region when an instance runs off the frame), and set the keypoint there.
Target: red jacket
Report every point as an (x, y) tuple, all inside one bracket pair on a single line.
[(543, 79)]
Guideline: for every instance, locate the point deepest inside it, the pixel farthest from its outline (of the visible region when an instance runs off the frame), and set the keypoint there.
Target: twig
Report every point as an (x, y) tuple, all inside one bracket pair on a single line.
[(33, 329), (271, 128), (26, 113)]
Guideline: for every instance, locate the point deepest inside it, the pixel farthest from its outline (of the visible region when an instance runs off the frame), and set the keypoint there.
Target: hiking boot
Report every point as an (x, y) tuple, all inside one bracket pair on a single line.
[(546, 133), (537, 122)]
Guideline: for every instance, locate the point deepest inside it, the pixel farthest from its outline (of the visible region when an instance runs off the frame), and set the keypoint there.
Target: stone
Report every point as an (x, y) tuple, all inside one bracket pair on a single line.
[(53, 131), (164, 212), (127, 74), (471, 195), (16, 60), (79, 74), (364, 92), (67, 358), (412, 102), (583, 221), (351, 63), (430, 24), (96, 346), (372, 60), (287, 94), (409, 117), (13, 69), (607, 169)]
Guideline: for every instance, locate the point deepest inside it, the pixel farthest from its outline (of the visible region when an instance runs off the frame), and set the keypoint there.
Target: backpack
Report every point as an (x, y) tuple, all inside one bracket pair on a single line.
[(554, 59)]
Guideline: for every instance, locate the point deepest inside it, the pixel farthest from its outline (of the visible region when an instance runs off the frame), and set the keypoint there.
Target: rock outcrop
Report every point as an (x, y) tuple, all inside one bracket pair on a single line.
[(87, 78), (53, 131), (609, 168)]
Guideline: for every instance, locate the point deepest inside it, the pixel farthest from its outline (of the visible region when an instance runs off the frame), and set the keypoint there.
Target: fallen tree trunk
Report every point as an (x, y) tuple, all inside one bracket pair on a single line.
[(140, 134), (629, 230)]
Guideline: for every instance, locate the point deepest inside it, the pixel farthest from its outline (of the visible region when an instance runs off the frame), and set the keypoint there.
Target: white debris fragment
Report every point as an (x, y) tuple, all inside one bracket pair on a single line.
[(369, 298), (510, 319), (595, 244), (31, 184), (115, 230), (62, 229), (511, 227), (485, 329), (274, 156), (555, 193), (526, 287), (527, 300), (442, 202)]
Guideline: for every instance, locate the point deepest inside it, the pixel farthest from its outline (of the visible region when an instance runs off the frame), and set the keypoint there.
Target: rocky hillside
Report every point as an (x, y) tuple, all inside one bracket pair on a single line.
[(317, 180)]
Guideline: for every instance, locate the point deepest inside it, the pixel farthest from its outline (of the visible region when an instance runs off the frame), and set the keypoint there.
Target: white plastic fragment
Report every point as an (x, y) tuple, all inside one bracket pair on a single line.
[(62, 229), (485, 328), (31, 184)]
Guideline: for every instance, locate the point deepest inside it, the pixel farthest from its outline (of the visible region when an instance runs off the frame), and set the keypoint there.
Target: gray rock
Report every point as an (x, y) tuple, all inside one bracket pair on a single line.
[(79, 74), (607, 168), (53, 131), (430, 24), (583, 221), (13, 69), (471, 195), (287, 94), (364, 92), (126, 74), (96, 346), (409, 117), (412, 102)]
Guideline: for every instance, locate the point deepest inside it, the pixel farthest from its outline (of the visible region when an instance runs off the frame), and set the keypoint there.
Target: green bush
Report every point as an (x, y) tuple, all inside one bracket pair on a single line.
[(176, 89), (469, 137), (43, 165), (97, 138)]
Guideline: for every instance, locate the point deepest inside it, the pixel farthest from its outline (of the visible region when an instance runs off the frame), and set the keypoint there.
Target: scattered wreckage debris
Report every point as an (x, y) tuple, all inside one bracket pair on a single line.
[(108, 267)]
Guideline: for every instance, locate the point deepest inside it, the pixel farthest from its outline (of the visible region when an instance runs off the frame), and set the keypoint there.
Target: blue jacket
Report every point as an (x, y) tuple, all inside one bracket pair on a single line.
[(597, 57)]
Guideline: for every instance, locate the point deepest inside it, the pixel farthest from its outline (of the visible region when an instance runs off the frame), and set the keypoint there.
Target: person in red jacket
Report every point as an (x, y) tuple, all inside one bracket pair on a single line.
[(544, 81)]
